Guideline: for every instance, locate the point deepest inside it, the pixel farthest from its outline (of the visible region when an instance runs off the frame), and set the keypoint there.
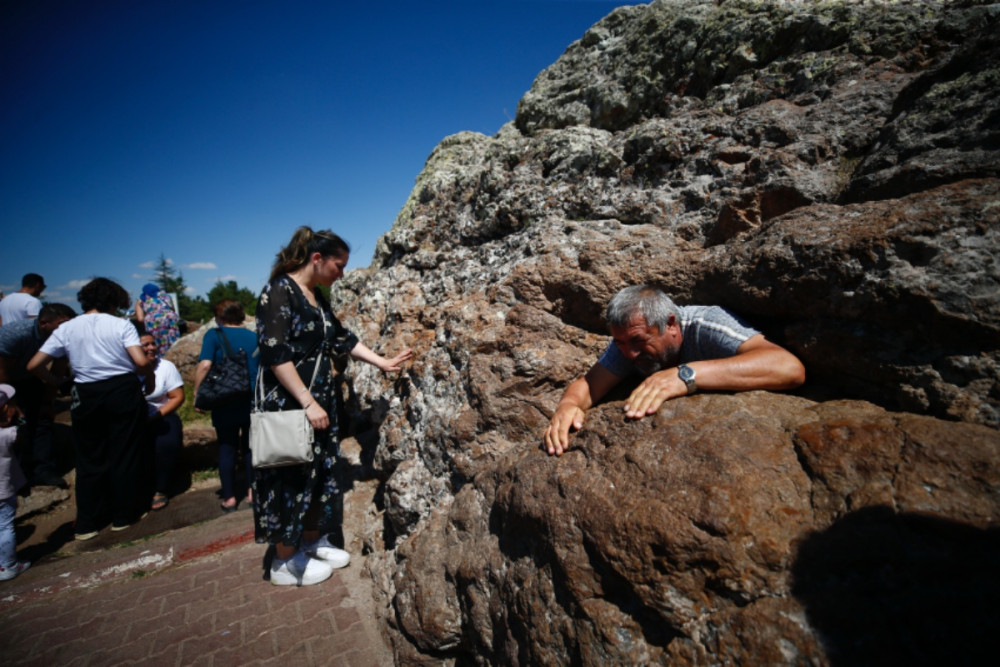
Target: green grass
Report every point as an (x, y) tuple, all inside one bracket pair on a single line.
[(187, 413), (202, 475)]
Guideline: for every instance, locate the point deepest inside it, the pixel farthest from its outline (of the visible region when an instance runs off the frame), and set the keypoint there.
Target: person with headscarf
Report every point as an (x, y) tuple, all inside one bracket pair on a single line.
[(155, 311)]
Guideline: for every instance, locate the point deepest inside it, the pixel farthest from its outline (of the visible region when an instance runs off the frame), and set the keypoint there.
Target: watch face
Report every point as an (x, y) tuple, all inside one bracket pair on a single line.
[(685, 373)]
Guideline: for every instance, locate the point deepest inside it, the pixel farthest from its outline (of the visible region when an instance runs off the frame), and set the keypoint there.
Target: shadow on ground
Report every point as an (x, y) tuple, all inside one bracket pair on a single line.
[(884, 588), (45, 531)]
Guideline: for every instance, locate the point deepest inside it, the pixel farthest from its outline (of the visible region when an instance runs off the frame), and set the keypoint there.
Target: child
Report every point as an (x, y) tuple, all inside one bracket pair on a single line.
[(11, 481)]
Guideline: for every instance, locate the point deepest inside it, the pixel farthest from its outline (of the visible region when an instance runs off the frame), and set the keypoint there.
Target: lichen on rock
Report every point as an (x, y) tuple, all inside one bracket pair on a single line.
[(828, 171)]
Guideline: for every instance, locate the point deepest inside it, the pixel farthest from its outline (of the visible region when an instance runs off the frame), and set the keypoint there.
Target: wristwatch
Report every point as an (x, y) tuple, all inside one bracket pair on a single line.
[(686, 374)]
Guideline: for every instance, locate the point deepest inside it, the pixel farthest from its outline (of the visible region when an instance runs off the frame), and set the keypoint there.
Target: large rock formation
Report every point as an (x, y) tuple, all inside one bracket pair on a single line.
[(829, 171)]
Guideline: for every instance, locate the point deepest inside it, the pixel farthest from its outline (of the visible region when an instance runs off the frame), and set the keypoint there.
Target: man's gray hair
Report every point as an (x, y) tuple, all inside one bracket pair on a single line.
[(654, 305)]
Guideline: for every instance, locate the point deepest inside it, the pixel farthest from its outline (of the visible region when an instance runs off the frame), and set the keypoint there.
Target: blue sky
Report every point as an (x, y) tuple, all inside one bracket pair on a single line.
[(208, 131)]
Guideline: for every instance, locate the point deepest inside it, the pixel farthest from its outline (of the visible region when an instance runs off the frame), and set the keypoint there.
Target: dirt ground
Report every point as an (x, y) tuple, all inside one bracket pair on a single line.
[(45, 518)]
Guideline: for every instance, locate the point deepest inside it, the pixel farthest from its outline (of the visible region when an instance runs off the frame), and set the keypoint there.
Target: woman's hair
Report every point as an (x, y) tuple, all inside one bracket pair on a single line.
[(230, 311), (303, 244), (654, 305), (104, 296)]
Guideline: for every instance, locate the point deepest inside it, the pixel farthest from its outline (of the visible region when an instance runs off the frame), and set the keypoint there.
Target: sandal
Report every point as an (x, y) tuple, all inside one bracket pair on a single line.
[(228, 508), (160, 501)]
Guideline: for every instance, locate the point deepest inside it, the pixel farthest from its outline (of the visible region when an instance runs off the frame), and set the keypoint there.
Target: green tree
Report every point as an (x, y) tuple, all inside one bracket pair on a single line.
[(169, 278), (198, 309), (230, 290), (194, 309)]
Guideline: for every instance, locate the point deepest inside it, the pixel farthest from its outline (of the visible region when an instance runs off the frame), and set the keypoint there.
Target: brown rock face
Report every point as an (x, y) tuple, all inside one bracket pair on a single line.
[(758, 526), (828, 171)]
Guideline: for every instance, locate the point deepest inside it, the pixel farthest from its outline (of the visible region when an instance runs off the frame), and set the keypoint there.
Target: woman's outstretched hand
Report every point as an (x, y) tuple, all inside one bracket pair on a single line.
[(395, 364)]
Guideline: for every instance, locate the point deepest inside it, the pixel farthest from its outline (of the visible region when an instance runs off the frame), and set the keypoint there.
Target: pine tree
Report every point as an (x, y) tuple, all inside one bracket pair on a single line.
[(172, 280), (168, 278)]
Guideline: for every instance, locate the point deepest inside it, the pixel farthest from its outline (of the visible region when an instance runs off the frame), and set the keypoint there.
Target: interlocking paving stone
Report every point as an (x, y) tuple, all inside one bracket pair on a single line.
[(211, 607)]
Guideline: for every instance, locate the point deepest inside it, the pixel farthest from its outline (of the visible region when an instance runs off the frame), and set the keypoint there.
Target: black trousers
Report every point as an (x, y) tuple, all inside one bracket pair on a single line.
[(38, 454), (112, 463), (164, 438)]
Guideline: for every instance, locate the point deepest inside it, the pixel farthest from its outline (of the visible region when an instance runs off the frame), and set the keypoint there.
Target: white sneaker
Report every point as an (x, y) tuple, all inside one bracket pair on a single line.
[(16, 569), (299, 570), (322, 549)]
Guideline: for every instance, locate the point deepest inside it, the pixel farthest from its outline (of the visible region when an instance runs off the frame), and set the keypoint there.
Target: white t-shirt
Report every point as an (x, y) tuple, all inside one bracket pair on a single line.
[(95, 344), (167, 378), (19, 306)]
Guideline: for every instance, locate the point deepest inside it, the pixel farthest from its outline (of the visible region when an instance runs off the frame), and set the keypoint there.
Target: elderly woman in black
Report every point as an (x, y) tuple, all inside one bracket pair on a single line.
[(294, 505)]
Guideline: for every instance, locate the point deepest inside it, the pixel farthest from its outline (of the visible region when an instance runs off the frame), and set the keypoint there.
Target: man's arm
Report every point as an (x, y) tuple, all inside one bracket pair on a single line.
[(579, 396), (757, 364), (39, 367)]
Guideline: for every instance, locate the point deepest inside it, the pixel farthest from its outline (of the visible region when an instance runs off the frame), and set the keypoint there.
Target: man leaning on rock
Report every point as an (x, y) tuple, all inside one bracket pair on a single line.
[(679, 350)]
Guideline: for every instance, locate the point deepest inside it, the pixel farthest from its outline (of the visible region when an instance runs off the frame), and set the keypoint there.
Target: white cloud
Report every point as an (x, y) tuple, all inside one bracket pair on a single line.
[(154, 263), (139, 276), (190, 290), (226, 279), (75, 284), (201, 265)]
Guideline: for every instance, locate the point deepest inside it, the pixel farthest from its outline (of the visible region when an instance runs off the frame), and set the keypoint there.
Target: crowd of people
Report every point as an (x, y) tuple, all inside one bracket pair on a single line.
[(125, 396)]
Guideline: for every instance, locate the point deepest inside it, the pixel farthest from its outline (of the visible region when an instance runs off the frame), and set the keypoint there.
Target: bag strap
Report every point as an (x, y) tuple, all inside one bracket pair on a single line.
[(259, 396), (225, 342)]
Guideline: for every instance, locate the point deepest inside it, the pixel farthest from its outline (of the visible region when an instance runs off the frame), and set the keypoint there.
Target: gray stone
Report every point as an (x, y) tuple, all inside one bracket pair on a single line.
[(829, 172)]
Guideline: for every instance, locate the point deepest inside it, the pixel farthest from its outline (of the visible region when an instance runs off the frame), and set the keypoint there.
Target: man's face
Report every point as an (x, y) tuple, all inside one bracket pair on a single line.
[(37, 290), (48, 326), (646, 347)]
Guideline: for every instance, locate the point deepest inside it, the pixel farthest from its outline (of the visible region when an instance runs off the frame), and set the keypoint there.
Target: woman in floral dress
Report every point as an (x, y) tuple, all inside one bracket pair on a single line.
[(156, 312), (294, 505)]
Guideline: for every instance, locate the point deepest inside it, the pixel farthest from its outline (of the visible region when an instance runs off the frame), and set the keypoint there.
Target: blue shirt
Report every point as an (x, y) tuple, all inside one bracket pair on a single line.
[(708, 332), (212, 349), (19, 341)]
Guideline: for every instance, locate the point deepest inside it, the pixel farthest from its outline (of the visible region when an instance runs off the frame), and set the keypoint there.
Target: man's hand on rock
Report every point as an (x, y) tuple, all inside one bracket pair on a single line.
[(653, 392), (557, 433)]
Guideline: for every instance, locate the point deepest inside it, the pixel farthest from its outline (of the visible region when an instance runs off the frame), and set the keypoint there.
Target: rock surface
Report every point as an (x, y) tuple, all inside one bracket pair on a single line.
[(830, 172)]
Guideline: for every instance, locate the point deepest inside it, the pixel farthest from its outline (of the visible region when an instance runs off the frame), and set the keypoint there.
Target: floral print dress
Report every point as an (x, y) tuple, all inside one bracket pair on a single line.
[(161, 321), (289, 328)]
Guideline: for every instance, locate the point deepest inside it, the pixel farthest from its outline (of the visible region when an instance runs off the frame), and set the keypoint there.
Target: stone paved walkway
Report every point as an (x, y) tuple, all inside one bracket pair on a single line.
[(193, 596)]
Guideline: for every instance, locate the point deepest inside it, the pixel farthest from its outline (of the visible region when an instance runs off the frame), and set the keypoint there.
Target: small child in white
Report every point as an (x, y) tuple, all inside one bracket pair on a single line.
[(11, 480)]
